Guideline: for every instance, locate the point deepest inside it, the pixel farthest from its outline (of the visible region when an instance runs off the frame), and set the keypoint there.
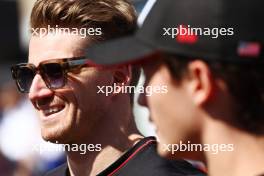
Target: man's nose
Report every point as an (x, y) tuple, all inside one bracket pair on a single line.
[(39, 89)]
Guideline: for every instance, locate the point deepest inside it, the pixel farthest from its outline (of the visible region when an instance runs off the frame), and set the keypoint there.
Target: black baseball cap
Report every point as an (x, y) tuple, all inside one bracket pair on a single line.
[(210, 29)]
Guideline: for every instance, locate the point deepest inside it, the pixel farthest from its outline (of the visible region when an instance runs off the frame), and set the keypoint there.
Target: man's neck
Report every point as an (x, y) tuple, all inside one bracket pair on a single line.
[(93, 163), (247, 157), (115, 137)]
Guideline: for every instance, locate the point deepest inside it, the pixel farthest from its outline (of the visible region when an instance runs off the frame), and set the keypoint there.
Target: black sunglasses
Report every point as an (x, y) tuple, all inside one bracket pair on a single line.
[(53, 72)]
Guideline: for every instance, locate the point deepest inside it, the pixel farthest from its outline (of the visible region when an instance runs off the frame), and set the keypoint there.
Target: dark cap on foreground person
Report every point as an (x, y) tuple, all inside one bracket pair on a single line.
[(241, 27)]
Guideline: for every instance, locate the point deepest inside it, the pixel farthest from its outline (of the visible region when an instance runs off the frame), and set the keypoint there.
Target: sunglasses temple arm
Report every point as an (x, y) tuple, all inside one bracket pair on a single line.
[(74, 63)]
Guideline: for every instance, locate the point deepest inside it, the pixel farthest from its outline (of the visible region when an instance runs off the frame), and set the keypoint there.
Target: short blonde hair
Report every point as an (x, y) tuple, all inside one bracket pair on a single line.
[(115, 17)]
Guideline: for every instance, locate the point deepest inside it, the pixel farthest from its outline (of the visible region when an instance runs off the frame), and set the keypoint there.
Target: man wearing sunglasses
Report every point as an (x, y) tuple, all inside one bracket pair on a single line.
[(210, 54), (63, 87)]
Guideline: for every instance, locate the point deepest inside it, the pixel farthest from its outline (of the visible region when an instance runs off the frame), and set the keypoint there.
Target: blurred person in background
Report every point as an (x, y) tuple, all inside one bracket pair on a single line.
[(215, 84), (63, 87), (7, 166)]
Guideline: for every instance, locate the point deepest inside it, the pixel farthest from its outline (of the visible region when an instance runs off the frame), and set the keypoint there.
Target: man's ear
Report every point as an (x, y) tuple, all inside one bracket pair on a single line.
[(201, 85), (122, 76)]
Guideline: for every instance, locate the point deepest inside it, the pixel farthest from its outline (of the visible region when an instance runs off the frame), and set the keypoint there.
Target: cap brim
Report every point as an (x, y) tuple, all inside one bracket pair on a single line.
[(120, 51)]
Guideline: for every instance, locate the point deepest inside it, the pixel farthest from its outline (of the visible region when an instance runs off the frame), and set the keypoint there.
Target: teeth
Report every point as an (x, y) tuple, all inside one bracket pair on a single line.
[(52, 110)]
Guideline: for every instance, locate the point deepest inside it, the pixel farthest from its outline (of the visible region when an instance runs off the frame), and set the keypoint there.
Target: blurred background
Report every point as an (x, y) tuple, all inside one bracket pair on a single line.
[(19, 126)]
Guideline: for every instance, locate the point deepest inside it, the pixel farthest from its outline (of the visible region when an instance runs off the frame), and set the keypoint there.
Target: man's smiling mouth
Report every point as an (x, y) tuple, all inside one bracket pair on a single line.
[(53, 110)]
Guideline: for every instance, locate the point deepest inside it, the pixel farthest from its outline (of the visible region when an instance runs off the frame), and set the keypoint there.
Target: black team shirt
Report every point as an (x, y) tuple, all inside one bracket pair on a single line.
[(141, 160)]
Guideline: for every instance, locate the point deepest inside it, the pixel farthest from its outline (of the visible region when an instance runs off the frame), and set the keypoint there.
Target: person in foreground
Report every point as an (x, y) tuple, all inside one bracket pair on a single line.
[(215, 79), (64, 86)]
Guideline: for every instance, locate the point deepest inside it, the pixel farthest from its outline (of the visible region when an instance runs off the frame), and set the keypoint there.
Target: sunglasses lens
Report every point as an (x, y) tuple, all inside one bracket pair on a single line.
[(53, 75), (24, 77)]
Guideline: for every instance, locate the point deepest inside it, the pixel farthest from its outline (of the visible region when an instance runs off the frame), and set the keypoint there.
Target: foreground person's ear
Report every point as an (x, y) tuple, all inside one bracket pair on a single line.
[(201, 82)]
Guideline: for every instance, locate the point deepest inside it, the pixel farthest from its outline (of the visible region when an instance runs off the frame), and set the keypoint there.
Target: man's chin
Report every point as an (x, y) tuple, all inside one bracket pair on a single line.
[(54, 136)]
